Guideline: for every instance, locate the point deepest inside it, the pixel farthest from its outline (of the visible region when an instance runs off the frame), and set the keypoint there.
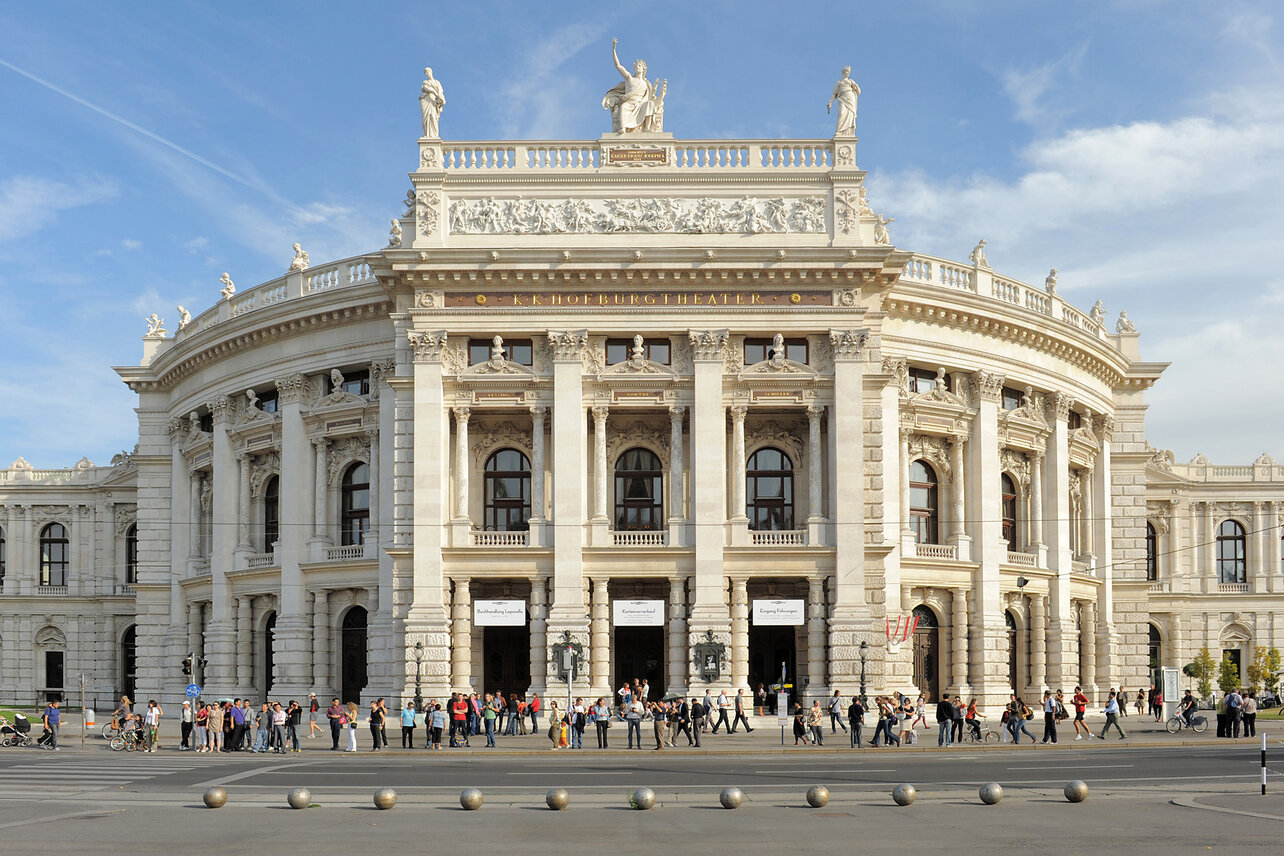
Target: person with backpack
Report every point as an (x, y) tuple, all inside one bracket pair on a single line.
[(944, 722), (1018, 713), (1049, 717), (836, 713), (856, 719)]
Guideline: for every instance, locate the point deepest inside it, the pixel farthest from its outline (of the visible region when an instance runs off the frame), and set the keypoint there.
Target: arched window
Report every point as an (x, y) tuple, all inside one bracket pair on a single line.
[(54, 550), (271, 514), (508, 491), (924, 511), (1009, 622), (131, 555), (354, 517), (1152, 553), (1007, 487), (1232, 565), (128, 660), (2, 557), (1156, 654), (639, 496), (769, 491)]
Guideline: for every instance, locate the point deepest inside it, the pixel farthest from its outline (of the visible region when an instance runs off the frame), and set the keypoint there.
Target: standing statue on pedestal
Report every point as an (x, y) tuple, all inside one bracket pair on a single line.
[(431, 101), (845, 92), (634, 104)]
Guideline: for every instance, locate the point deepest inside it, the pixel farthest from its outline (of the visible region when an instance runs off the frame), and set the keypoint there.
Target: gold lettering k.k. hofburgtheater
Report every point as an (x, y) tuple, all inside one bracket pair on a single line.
[(648, 299)]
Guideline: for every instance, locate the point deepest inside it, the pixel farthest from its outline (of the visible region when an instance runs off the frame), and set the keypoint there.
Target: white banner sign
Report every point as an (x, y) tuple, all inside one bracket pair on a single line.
[(778, 613), (499, 613), (637, 613)]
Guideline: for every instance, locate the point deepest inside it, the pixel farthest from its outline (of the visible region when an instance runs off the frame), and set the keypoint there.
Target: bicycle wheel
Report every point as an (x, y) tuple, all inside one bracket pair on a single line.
[(108, 731), (1174, 724), (117, 743), (1200, 724), (991, 737)]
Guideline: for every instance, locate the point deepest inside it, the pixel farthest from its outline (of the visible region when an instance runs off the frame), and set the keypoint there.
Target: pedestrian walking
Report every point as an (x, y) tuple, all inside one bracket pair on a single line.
[(760, 698), (724, 707), (695, 712), (408, 726), (816, 723), (350, 715), (314, 708), (944, 721), (1049, 718), (800, 726), (1018, 713), (836, 713), (856, 719), (741, 704), (151, 725), (1080, 702), (186, 722), (51, 719), (1112, 716)]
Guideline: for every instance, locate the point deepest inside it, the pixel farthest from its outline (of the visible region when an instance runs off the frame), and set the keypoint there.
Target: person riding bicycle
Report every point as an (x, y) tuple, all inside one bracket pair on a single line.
[(1187, 707)]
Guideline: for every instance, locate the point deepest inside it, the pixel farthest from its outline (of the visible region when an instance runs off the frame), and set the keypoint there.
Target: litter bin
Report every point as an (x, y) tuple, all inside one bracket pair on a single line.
[(89, 717)]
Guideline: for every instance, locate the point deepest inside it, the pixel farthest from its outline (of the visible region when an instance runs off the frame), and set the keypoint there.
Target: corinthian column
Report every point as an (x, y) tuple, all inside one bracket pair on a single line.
[(740, 634), (461, 655), (959, 624), (1038, 641), (814, 486), (243, 504), (461, 463), (738, 462), (675, 463), (1088, 644), (599, 462), (537, 463)]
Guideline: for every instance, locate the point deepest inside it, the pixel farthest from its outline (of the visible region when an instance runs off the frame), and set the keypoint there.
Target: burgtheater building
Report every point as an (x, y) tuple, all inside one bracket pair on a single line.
[(681, 406)]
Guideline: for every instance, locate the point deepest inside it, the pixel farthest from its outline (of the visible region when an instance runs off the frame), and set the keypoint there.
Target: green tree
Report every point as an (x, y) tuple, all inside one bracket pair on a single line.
[(1264, 669), (1202, 671), (1228, 675)]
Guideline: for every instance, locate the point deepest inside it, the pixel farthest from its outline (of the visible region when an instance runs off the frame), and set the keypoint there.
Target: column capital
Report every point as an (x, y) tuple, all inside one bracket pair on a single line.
[(738, 412), (221, 409), (567, 345), (428, 347), (815, 411), (848, 345), (987, 386), (293, 388), (600, 413), (539, 411), (462, 413), (1058, 405), (676, 412), (708, 345)]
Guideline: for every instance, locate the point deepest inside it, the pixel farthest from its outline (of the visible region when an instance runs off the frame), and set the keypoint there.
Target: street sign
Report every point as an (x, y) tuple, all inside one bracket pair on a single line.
[(782, 708), (193, 690)]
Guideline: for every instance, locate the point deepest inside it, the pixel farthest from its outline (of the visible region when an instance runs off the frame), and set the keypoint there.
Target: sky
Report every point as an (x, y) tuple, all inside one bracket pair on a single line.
[(1137, 146)]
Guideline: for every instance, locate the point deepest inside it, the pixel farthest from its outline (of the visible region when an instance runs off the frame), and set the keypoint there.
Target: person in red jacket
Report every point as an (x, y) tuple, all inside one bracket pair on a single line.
[(458, 720), (1080, 702)]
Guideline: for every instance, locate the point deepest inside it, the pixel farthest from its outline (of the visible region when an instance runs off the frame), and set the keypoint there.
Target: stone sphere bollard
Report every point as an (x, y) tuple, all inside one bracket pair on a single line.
[(216, 797), (1076, 791), (385, 798), (904, 794), (731, 797), (471, 799), (642, 799), (818, 796), (299, 798), (557, 799), (991, 794)]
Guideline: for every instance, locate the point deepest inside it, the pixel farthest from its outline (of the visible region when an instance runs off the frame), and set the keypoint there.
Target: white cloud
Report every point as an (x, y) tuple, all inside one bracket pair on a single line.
[(28, 203), (131, 244), (1028, 88), (539, 102), (197, 243)]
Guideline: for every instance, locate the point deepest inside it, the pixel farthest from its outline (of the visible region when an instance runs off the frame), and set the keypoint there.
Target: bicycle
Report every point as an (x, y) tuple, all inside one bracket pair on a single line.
[(984, 735), (129, 741), (1198, 723)]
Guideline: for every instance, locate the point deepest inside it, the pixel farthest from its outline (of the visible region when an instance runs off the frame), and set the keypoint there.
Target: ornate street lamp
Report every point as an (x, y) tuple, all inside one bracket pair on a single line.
[(864, 648), (419, 662)]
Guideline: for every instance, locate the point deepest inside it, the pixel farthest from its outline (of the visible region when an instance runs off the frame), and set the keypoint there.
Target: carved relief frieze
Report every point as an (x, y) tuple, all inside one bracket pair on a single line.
[(1015, 464), (426, 203), (822, 354), (263, 467), (785, 435), (125, 517), (427, 346), (672, 215), (934, 450), (41, 514), (489, 437), (1157, 513), (898, 368), (637, 432), (344, 451)]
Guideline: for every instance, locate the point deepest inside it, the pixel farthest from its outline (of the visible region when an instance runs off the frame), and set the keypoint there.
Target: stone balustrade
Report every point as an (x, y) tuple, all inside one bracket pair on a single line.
[(486, 538), (631, 538), (573, 155), (1025, 560), (937, 551), (778, 538), (346, 553), (1234, 588), (260, 560)]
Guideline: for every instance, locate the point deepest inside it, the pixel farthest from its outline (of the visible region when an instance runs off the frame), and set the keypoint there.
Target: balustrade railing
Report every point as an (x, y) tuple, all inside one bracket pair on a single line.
[(631, 538), (936, 551), (1234, 588), (687, 154), (485, 538), (346, 553), (51, 591), (778, 538), (1025, 560), (261, 560)]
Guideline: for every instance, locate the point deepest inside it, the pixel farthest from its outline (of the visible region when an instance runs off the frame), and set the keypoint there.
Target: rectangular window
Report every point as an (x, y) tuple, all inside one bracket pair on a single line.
[(54, 670), (1074, 421), (758, 350), (620, 350), (268, 401), (1011, 398), (207, 422), (356, 383), (517, 351), (924, 380)]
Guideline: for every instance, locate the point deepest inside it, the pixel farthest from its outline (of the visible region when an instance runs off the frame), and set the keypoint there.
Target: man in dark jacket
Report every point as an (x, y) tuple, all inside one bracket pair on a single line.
[(944, 720), (856, 718)]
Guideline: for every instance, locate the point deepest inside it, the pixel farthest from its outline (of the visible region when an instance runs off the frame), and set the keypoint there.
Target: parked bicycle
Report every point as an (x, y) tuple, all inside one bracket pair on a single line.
[(1198, 723), (985, 735)]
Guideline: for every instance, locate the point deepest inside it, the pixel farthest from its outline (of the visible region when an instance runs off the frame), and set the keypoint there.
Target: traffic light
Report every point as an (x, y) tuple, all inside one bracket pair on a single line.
[(187, 665)]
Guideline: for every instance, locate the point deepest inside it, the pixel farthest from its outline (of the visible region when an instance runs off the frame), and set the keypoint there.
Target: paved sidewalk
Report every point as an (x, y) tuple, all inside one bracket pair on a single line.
[(765, 738)]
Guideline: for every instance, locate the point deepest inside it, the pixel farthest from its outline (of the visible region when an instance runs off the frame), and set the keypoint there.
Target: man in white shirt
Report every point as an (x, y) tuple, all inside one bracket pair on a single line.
[(724, 706), (708, 711), (1112, 717), (836, 709), (1049, 717)]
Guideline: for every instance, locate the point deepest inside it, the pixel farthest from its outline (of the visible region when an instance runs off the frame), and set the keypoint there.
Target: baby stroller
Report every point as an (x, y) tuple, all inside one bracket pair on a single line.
[(18, 734)]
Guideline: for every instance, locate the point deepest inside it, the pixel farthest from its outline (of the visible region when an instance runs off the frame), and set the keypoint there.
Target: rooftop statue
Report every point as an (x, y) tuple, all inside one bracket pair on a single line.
[(978, 255), (1051, 282), (880, 229), (1124, 324), (394, 234), (635, 104), (1098, 313), (432, 98), (300, 261), (845, 92), (155, 327), (184, 318), (228, 288)]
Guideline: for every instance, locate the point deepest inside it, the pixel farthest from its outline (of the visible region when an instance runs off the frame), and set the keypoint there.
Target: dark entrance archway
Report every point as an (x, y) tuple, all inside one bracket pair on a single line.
[(769, 646), (269, 653), (506, 659), (1010, 622), (128, 660), (352, 654), (640, 653), (927, 653), (1156, 655)]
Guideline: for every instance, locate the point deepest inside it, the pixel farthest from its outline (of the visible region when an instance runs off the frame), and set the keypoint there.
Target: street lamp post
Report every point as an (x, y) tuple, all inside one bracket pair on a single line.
[(864, 647), (419, 662)]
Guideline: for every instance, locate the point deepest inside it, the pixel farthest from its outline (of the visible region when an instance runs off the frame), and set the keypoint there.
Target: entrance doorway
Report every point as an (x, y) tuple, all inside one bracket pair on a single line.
[(128, 660), (506, 660), (1156, 655), (352, 655), (927, 654), (1011, 625), (1233, 654), (769, 646), (269, 653), (640, 653)]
